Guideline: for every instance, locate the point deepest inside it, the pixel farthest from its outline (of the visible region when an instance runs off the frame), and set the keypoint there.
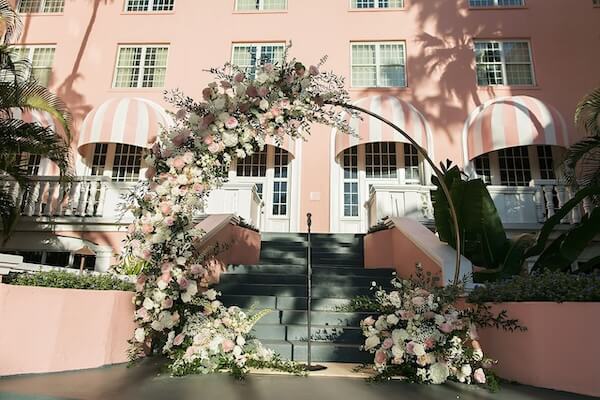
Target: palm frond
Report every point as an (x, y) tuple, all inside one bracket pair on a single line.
[(8, 213), (10, 22), (587, 114), (19, 137)]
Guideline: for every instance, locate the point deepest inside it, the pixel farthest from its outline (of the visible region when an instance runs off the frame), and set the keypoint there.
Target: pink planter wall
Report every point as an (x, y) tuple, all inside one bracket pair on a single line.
[(51, 330), (560, 349)]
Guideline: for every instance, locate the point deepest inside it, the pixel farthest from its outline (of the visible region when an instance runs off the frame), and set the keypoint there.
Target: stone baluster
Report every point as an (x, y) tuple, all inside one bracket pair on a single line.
[(561, 194), (32, 197), (549, 197), (540, 207), (587, 205), (52, 202), (62, 201), (101, 199), (576, 212), (82, 198), (91, 200), (39, 204)]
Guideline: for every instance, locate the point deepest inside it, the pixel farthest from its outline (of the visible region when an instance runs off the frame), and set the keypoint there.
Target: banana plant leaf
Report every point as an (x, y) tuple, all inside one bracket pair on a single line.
[(567, 248), (512, 263), (590, 265), (484, 240)]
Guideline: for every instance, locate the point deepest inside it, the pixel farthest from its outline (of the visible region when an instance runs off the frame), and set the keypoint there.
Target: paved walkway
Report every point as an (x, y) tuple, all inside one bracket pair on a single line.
[(142, 382)]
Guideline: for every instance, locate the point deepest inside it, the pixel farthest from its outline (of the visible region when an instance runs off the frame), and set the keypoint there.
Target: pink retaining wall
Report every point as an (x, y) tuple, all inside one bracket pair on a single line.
[(50, 330), (560, 349)]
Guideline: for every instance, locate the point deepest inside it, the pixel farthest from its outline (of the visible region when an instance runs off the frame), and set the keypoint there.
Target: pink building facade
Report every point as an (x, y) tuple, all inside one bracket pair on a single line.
[(490, 84)]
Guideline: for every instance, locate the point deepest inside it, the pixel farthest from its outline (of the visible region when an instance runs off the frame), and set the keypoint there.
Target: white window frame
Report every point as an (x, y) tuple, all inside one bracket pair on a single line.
[(259, 49), (149, 9), (377, 62), (261, 7), (40, 9), (376, 6), (503, 62), (140, 80), (110, 161), (496, 5), (29, 57)]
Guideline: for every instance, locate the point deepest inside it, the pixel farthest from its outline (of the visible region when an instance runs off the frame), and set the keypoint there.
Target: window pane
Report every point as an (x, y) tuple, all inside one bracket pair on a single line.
[(546, 162), (412, 170), (483, 169), (127, 162), (515, 168), (378, 160), (495, 58), (254, 165), (137, 5), (41, 6), (350, 165)]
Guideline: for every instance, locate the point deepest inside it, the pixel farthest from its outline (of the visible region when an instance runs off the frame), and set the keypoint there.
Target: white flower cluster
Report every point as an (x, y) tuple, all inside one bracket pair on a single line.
[(419, 332), (234, 119)]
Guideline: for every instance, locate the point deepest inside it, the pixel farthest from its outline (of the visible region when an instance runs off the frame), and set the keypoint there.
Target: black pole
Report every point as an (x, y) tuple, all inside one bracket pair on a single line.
[(309, 366)]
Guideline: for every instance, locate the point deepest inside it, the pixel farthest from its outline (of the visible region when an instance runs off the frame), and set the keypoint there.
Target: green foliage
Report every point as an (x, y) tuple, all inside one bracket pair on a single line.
[(130, 266), (70, 280), (550, 286)]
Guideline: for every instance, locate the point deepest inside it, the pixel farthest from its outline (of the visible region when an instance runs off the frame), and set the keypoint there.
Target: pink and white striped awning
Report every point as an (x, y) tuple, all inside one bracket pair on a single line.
[(130, 120), (285, 142), (370, 129), (513, 121)]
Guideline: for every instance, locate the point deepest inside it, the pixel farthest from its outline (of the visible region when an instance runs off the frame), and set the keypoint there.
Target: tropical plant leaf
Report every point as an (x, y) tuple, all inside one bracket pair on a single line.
[(587, 114), (8, 214), (513, 262), (590, 265), (10, 22)]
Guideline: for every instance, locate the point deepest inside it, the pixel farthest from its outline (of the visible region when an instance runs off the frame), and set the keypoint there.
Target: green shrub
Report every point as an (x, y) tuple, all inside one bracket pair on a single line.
[(69, 280), (546, 286)]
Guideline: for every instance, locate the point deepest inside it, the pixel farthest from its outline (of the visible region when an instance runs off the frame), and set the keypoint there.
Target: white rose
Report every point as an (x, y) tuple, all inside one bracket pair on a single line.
[(162, 285), (211, 294), (264, 105), (194, 119), (237, 351), (230, 139), (397, 352), (262, 77), (439, 373), (148, 303), (240, 341), (372, 342), (419, 349), (219, 103), (140, 335), (399, 336), (392, 319), (466, 370), (381, 324)]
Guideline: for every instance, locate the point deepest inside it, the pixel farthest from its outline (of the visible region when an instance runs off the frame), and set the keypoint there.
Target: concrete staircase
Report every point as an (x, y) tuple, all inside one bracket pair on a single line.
[(279, 283)]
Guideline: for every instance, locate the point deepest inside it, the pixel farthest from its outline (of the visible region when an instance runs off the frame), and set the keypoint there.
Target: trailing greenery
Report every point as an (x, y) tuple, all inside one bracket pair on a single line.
[(130, 266), (380, 226), (246, 225), (547, 286), (70, 280)]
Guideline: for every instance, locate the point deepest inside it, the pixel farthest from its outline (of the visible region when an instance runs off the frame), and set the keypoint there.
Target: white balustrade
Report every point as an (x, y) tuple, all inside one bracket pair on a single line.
[(412, 201), (241, 199)]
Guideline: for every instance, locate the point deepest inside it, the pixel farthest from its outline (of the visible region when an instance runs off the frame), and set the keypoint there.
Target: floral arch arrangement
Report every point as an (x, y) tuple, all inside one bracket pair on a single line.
[(177, 315)]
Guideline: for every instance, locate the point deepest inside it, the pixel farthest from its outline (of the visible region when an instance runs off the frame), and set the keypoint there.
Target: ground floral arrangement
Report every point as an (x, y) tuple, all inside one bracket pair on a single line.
[(177, 317), (420, 334)]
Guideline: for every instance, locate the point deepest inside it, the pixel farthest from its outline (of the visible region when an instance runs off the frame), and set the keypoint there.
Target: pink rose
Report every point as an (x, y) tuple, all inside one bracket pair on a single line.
[(225, 85), (180, 139), (479, 376), (169, 221), (418, 301), (207, 120), (143, 313), (231, 123), (156, 149), (313, 70), (165, 207), (166, 277), (146, 254), (198, 187), (131, 229), (268, 67), (166, 266), (207, 93), (406, 314), (183, 282), (208, 140), (446, 327), (178, 163), (196, 269), (388, 343), (167, 303), (178, 339), (214, 148), (276, 111), (263, 91), (228, 345), (147, 228), (239, 77), (181, 114), (429, 343), (252, 91), (380, 357), (476, 345), (369, 321)]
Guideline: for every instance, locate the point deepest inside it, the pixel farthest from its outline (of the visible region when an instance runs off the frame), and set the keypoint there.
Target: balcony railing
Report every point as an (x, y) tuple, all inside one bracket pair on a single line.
[(528, 205)]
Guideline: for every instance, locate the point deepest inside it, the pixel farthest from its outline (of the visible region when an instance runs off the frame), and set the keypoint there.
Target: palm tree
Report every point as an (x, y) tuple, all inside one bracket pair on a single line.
[(19, 90), (582, 161)]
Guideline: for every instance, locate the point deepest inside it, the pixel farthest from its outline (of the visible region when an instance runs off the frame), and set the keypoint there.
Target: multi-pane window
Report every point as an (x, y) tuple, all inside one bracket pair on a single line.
[(149, 5), (127, 162), (350, 165), (31, 162), (515, 168), (380, 160), (546, 162), (253, 166), (496, 3), (249, 56), (483, 168), (41, 6), (280, 182), (99, 159), (40, 59), (141, 66), (378, 64), (377, 3), (503, 63), (260, 5), (412, 169)]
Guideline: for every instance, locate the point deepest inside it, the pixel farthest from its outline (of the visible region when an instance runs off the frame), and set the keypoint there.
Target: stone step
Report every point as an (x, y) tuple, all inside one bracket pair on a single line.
[(320, 352), (291, 290), (315, 237), (318, 269), (320, 333), (282, 303), (296, 279), (298, 317)]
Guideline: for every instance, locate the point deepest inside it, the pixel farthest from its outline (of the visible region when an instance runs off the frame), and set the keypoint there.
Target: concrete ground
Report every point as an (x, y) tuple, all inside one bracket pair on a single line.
[(142, 382)]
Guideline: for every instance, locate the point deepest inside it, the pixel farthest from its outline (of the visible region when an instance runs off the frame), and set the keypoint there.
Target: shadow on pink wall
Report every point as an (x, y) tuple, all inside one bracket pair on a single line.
[(51, 330)]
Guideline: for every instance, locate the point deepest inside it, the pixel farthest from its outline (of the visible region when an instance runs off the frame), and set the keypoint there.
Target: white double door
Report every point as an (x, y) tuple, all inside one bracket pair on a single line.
[(270, 171)]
